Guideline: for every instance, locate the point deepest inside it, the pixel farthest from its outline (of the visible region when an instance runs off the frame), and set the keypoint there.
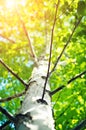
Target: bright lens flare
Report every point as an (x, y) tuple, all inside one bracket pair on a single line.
[(10, 3)]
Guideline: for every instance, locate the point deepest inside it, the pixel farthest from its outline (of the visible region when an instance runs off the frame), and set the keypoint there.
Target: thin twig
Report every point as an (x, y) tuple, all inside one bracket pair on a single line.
[(7, 114), (10, 40), (5, 124), (63, 86), (64, 10), (67, 106), (82, 124), (65, 46), (12, 97), (13, 73), (64, 110), (52, 33)]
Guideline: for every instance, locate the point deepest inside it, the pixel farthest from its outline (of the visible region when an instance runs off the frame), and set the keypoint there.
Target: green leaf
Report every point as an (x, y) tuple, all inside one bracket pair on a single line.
[(81, 9)]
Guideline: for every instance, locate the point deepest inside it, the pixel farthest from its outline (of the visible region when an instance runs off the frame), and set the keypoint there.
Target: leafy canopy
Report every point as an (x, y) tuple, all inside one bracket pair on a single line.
[(37, 15)]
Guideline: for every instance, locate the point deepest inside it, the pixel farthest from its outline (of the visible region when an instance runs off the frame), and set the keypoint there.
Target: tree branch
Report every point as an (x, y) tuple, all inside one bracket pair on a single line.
[(52, 33), (5, 124), (12, 97), (28, 38), (82, 124), (77, 76), (13, 73), (57, 90), (1, 35), (71, 80), (65, 46), (7, 114)]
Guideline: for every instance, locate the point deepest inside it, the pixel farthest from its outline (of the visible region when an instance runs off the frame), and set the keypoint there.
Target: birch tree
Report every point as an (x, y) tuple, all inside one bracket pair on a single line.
[(42, 65)]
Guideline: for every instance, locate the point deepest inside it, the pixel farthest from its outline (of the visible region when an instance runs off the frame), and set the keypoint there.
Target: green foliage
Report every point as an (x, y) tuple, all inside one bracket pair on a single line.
[(69, 104), (81, 9)]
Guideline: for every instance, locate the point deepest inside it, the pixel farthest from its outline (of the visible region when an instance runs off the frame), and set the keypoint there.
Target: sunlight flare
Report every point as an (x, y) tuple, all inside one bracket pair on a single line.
[(12, 3)]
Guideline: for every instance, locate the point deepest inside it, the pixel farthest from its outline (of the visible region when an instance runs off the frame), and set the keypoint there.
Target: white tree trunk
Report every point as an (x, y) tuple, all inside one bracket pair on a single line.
[(35, 115)]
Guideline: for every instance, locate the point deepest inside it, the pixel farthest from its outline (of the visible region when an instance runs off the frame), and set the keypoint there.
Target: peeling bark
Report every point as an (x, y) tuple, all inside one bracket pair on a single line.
[(34, 113)]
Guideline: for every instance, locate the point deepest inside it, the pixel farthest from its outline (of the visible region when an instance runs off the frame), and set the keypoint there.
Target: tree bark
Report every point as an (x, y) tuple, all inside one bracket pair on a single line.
[(36, 114)]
